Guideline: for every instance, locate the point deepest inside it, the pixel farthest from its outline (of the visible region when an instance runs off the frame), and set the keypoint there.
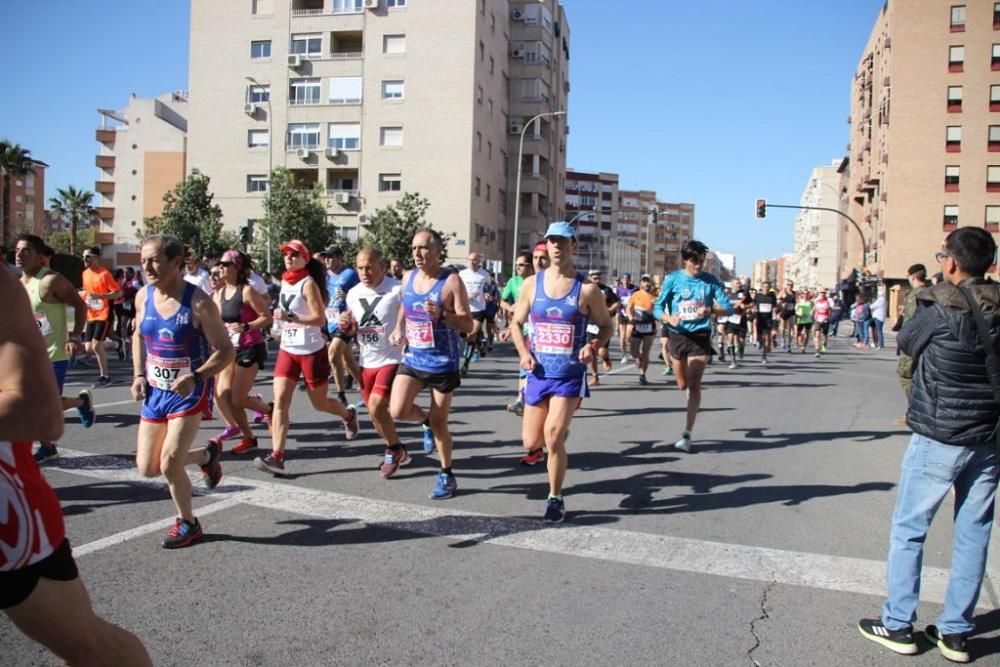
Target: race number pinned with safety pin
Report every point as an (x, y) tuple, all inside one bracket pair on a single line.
[(553, 338), (161, 373)]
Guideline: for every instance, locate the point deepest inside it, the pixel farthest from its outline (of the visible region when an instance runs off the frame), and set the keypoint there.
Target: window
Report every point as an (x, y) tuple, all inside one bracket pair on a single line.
[(994, 98), (257, 139), (303, 91), (262, 7), (348, 6), (993, 138), (259, 94), (344, 136), (478, 186), (257, 183), (489, 105), (953, 138), (950, 216), (492, 65), (345, 90), (992, 217), (954, 99), (390, 182), (260, 50), (307, 46), (482, 51), (502, 200), (479, 141), (493, 23), (342, 183), (951, 174), (392, 90), (956, 58), (482, 7), (394, 44), (489, 192), (390, 136), (996, 15), (995, 57), (489, 150), (303, 135), (958, 18), (993, 178), (395, 3), (479, 94)]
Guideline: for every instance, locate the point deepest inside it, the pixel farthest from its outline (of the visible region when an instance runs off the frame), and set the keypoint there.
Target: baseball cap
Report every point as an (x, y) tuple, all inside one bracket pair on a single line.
[(560, 229), (595, 272), (297, 246), (645, 276), (331, 251)]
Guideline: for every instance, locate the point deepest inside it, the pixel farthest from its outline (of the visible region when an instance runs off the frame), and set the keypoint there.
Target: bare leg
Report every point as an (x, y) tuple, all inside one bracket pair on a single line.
[(401, 399), (560, 412), (284, 388), (438, 416), (378, 410), (176, 454), (323, 403), (223, 395), (695, 370)]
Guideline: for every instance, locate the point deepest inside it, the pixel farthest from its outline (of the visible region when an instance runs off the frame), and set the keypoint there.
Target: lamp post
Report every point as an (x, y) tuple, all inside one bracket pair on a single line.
[(517, 186), (652, 217), (254, 82)]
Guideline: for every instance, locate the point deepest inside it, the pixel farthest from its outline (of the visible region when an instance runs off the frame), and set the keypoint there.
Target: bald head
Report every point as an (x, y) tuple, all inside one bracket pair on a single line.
[(475, 260), (371, 267)]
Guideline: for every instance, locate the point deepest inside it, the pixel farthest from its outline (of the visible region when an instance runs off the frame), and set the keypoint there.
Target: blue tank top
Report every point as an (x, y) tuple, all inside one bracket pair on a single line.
[(345, 280), (174, 347), (559, 331), (431, 347)]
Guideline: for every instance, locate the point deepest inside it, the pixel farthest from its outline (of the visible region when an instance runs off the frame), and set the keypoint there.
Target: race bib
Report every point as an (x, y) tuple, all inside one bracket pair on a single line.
[(735, 319), (94, 303), (235, 338), (420, 334), (293, 335), (44, 326), (644, 327), (764, 308), (332, 316), (688, 310), (593, 329), (161, 373), (370, 335), (553, 338)]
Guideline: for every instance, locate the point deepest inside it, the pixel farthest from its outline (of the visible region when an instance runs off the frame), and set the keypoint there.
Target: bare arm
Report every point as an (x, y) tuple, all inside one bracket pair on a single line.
[(259, 303), (456, 301), (595, 307), (208, 319), (63, 291), (317, 313)]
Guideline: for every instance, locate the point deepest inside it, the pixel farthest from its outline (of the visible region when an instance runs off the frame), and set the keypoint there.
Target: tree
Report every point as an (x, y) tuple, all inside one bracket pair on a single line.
[(60, 241), (391, 229), (291, 211), (74, 206), (14, 161), (190, 216)]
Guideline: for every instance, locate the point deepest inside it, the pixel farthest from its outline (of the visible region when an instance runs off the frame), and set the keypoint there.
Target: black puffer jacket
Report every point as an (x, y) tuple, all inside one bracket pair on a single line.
[(952, 400)]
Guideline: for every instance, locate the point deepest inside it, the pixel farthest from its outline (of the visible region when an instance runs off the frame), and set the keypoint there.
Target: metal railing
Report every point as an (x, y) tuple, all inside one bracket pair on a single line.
[(307, 12), (346, 55)]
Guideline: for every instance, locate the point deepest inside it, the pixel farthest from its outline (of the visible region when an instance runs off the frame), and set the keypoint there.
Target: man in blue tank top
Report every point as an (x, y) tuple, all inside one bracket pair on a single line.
[(173, 378), (559, 303), (435, 310), (340, 278)]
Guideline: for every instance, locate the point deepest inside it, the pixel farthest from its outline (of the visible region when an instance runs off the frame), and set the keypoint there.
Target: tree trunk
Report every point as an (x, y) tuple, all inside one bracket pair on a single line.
[(72, 235), (5, 237)]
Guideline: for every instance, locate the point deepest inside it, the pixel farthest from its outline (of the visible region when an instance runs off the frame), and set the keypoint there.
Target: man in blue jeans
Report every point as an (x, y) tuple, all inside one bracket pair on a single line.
[(954, 417)]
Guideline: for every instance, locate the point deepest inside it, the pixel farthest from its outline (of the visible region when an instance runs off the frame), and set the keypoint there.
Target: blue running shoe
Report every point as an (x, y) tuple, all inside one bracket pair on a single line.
[(428, 439), (445, 487), (555, 510), (475, 356), (86, 411), (45, 452)]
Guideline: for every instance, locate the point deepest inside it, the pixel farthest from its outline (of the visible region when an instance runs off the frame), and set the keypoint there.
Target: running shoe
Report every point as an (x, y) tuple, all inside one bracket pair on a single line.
[(732, 365), (555, 510), (817, 355), (86, 410), (625, 359), (428, 439), (228, 433), (532, 457), (763, 361), (258, 416), (46, 452), (213, 469), (183, 534), (952, 646), (684, 444), (351, 423), (900, 641), (444, 487), (517, 407), (464, 370), (823, 348), (273, 463), (643, 381), (475, 357), (607, 365), (393, 460), (245, 445), (102, 381), (666, 370)]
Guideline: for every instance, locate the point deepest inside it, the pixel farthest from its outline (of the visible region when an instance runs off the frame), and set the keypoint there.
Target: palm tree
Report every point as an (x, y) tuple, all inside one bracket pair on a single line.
[(74, 205), (14, 161)]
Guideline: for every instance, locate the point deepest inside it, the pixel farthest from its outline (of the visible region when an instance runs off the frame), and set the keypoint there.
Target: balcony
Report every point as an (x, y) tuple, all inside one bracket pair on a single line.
[(105, 238), (105, 187), (106, 212), (106, 136), (105, 161)]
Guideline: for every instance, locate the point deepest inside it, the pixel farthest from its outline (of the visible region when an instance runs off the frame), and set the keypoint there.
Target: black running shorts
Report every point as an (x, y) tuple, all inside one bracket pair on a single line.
[(443, 382), (689, 345), (18, 585)]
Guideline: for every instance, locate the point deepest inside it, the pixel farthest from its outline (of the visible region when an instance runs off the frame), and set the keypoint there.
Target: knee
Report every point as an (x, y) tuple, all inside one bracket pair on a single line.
[(377, 406), (147, 468), (439, 421), (396, 410), (171, 464)]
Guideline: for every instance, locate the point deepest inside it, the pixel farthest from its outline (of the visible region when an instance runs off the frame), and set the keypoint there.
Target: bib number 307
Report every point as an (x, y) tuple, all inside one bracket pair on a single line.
[(161, 373)]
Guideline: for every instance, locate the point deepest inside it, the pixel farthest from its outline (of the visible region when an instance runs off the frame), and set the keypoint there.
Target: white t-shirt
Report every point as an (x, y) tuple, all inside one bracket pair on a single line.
[(257, 283), (200, 279), (475, 285), (375, 310), (880, 308)]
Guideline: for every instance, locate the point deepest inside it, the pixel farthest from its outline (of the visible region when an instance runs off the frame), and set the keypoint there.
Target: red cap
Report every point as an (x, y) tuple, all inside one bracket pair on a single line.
[(297, 246), (541, 245)]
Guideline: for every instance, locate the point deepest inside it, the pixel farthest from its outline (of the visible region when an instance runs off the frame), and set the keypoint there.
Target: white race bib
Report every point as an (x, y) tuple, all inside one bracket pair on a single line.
[(688, 310), (161, 373), (371, 335), (420, 334), (94, 302), (764, 308), (293, 335), (44, 326), (644, 327), (553, 338), (235, 338), (735, 319), (593, 329)]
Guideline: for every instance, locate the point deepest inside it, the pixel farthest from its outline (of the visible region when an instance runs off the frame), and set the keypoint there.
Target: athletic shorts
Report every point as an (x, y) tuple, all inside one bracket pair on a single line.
[(823, 327), (764, 326), (59, 369), (622, 319), (689, 345), (736, 329), (246, 357), (377, 381), (96, 330), (803, 327), (17, 586), (315, 367), (340, 335), (664, 330), (539, 389), (787, 314), (651, 326), (162, 404), (776, 323), (479, 315), (443, 382)]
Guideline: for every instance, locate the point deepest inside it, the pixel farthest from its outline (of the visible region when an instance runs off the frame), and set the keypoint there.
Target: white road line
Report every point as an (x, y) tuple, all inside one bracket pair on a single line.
[(130, 401), (822, 571)]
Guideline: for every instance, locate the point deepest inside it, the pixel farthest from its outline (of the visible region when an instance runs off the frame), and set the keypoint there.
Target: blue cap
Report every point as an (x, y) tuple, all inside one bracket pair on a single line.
[(563, 229)]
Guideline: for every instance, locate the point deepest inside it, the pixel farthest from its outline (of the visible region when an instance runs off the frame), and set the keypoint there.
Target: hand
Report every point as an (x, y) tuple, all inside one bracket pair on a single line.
[(528, 362), (279, 315), (703, 312), (432, 309), (183, 385), (338, 294), (234, 328), (72, 347), (504, 335), (586, 354), (138, 388), (346, 322), (396, 339)]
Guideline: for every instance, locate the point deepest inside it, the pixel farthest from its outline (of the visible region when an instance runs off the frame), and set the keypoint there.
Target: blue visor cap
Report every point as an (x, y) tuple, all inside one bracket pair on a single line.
[(563, 229)]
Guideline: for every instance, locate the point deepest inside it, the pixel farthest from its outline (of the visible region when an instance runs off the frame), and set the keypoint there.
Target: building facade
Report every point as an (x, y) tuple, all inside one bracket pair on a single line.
[(592, 201), (27, 202), (924, 152), (370, 99), (142, 156), (817, 233)]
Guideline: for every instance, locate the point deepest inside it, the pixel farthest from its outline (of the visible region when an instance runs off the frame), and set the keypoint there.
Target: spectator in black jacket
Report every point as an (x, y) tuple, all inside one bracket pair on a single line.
[(954, 418)]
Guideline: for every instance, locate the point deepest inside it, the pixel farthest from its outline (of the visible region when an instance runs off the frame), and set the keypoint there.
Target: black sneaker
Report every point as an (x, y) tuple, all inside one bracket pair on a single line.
[(46, 452), (273, 463), (102, 381), (86, 410), (555, 510), (213, 469), (952, 646), (900, 641), (182, 534)]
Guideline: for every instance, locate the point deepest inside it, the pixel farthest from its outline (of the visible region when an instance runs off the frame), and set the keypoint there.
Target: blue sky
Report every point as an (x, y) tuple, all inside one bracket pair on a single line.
[(714, 102)]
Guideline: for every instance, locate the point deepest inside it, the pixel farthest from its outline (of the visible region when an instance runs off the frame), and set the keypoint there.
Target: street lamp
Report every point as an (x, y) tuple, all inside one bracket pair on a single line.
[(255, 82), (517, 187), (653, 213), (580, 215)]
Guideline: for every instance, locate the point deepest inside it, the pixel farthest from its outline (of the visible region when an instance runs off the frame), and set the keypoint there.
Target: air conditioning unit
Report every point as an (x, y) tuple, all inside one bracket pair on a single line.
[(332, 153), (250, 109), (295, 61), (515, 128), (516, 53), (518, 14), (342, 197), (371, 4), (303, 153)]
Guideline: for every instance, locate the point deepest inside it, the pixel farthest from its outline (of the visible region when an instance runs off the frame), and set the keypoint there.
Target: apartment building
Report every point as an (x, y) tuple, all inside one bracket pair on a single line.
[(592, 201), (141, 157), (924, 152), (27, 202), (369, 99), (817, 233)]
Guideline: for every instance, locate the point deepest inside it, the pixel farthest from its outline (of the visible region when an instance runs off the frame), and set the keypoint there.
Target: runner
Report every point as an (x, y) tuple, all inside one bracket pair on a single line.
[(476, 279), (668, 369), (173, 379), (624, 291), (435, 310), (340, 278), (788, 301), (195, 273), (130, 288), (244, 311), (640, 314), (688, 299), (751, 319), (803, 321), (614, 305), (302, 352), (557, 355), (522, 269), (736, 324), (99, 289), (50, 294), (765, 305), (396, 268), (821, 316), (372, 312), (492, 294)]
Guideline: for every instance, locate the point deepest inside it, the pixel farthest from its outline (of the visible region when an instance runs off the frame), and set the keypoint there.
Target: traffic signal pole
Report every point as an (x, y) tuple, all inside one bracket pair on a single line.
[(864, 247)]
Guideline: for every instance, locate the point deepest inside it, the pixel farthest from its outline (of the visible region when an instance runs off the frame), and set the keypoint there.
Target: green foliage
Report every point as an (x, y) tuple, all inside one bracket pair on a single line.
[(190, 216), (391, 229), (60, 241), (14, 161), (74, 206), (291, 211)]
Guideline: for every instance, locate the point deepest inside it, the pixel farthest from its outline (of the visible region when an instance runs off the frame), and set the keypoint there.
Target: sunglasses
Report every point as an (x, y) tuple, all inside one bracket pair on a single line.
[(225, 265), (291, 253), (215, 274), (89, 256), (941, 256), (519, 264)]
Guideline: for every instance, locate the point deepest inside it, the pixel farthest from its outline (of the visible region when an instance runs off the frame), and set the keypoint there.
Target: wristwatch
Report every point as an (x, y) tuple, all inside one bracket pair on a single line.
[(197, 377)]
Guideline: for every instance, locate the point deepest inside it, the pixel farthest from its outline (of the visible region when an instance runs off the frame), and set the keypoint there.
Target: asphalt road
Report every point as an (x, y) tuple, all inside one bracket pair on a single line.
[(762, 547)]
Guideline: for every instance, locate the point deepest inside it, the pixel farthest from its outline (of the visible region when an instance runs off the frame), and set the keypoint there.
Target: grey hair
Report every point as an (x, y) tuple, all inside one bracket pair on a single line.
[(172, 248), (436, 237), (373, 251)]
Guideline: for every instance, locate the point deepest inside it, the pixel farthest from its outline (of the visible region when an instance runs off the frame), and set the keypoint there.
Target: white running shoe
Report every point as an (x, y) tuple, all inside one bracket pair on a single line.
[(684, 444)]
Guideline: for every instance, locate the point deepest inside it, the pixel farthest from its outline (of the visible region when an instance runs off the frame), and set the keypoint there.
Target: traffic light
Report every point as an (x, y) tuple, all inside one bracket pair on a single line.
[(761, 208), (246, 233)]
